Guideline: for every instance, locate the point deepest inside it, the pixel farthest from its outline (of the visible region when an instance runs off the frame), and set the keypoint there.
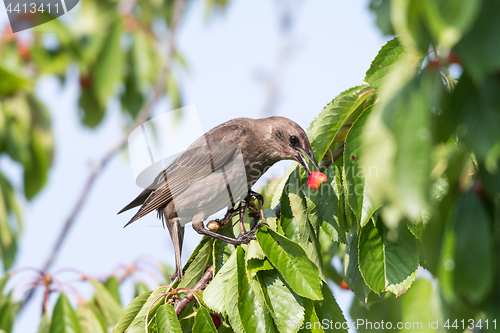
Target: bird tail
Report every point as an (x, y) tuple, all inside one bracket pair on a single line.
[(135, 218), (137, 201)]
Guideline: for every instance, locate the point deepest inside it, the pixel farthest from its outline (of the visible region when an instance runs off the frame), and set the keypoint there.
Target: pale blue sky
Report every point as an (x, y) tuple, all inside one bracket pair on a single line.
[(335, 42)]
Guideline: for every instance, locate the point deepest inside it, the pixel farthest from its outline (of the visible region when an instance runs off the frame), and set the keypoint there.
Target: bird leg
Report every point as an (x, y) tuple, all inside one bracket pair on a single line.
[(229, 215), (177, 235), (260, 200), (244, 238), (241, 209)]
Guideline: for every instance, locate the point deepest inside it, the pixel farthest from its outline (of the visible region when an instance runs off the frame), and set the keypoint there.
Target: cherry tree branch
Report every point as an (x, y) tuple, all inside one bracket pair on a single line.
[(200, 285)]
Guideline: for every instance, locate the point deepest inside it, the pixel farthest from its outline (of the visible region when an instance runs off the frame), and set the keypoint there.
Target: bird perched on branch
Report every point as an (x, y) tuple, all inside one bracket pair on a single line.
[(218, 171)]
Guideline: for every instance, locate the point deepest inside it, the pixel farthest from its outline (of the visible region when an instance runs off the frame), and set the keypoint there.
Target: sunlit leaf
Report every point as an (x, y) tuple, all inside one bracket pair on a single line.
[(388, 259), (285, 306), (64, 318), (109, 306), (325, 128), (358, 192), (214, 295), (203, 322), (290, 259), (166, 319), (448, 20)]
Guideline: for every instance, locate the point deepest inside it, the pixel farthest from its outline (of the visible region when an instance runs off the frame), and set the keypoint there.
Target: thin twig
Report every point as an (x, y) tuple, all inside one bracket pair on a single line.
[(202, 284)]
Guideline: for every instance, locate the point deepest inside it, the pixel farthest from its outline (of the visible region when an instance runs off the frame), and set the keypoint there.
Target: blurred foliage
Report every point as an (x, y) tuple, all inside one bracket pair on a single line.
[(117, 49), (417, 184)]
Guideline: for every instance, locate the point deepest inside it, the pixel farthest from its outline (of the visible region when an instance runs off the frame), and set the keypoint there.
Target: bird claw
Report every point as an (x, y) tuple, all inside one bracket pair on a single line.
[(246, 237), (257, 196)]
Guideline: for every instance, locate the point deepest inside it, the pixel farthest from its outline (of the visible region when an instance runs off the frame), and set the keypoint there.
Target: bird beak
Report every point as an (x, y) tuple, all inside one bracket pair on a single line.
[(301, 160)]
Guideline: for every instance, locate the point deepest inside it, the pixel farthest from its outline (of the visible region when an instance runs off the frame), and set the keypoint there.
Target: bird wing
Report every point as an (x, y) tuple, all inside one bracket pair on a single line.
[(204, 156)]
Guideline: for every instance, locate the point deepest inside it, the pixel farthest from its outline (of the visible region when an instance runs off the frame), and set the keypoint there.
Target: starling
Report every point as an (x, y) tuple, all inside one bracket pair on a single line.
[(218, 171)]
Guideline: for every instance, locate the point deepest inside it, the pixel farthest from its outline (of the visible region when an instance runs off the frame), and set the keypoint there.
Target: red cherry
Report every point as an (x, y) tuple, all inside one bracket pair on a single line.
[(315, 180), (8, 35), (24, 51), (478, 188), (344, 285), (216, 319), (435, 65), (85, 81), (453, 58)]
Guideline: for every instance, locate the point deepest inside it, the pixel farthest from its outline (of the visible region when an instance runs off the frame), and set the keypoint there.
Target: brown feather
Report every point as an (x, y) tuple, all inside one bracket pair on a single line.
[(194, 164)]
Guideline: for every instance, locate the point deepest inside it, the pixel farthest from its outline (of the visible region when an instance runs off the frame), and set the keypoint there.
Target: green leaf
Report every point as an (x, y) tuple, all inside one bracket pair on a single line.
[(324, 129), (166, 319), (479, 48), (231, 302), (109, 65), (112, 285), (253, 314), (214, 295), (391, 53), (64, 319), (254, 251), (173, 91), (278, 192), (203, 322), (382, 11), (299, 230), (137, 313), (416, 307), (312, 323), (110, 308), (396, 144), (352, 275), (256, 265), (448, 20), (388, 311), (409, 25), (358, 192), (255, 259), (478, 129), (331, 208), (88, 320), (289, 258), (195, 267), (388, 259), (293, 228), (41, 148), (44, 326), (328, 309), (143, 59), (466, 265), (10, 82), (285, 306), (295, 221), (91, 112), (132, 99), (131, 312), (8, 312)]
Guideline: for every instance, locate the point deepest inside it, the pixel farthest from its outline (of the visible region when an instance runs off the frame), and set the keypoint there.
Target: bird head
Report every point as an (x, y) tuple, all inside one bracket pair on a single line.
[(291, 141)]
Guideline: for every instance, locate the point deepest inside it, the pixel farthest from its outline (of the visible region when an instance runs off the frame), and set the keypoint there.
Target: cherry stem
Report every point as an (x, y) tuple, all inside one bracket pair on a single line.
[(192, 292), (19, 270), (149, 309)]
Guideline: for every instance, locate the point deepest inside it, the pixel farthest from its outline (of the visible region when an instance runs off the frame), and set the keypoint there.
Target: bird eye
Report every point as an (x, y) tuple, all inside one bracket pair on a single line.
[(294, 140)]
